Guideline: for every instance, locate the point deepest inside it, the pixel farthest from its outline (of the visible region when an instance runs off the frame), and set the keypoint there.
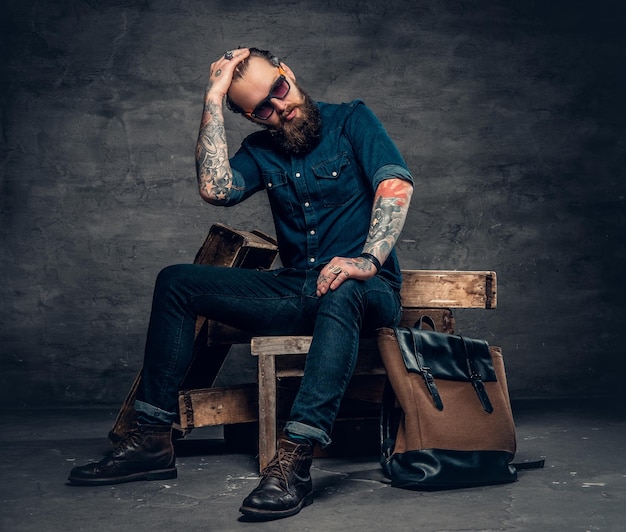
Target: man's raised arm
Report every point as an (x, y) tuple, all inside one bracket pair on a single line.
[(212, 165)]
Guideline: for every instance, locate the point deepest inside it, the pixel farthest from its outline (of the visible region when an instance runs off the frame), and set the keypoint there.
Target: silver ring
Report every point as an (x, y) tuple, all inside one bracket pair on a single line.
[(228, 55)]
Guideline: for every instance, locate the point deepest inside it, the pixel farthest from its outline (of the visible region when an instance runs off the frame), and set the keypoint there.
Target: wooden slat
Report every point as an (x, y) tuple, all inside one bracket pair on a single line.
[(218, 406), (267, 410), (280, 345), (449, 289)]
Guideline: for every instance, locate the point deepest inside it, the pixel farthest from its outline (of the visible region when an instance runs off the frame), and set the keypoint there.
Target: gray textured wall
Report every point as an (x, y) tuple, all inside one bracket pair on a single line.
[(510, 113)]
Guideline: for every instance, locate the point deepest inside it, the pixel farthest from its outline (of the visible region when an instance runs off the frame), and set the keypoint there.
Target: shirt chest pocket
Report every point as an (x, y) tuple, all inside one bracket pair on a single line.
[(277, 187), (336, 180)]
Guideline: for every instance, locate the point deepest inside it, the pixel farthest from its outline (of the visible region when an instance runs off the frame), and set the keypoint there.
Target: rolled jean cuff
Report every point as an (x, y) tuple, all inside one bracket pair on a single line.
[(155, 412), (300, 429)]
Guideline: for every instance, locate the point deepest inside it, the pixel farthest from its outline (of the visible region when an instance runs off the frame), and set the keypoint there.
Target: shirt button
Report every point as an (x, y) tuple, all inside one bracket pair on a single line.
[(269, 185), (334, 174), (312, 259), (306, 204), (312, 232), (297, 174)]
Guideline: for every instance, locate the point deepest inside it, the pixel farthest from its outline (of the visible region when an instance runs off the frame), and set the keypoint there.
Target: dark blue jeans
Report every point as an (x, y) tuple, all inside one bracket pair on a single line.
[(277, 302)]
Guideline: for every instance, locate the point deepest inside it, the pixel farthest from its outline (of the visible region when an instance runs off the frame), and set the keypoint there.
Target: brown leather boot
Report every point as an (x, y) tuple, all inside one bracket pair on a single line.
[(286, 486), (145, 453)]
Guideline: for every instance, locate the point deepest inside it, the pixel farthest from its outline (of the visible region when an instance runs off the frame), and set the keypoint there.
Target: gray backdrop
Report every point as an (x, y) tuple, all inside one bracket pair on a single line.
[(510, 114)]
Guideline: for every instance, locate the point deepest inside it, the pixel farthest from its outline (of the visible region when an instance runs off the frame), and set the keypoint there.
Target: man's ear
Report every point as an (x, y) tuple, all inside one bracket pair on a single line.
[(288, 71)]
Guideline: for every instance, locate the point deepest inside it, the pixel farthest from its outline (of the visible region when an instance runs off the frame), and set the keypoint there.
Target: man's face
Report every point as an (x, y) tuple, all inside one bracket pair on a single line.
[(255, 86), (294, 123)]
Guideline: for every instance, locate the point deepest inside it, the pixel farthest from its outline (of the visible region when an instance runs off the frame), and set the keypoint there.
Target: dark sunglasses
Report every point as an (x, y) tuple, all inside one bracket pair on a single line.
[(279, 90)]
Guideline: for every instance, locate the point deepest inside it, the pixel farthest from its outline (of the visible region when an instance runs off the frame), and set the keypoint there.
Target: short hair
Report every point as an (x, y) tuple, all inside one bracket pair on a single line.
[(241, 70)]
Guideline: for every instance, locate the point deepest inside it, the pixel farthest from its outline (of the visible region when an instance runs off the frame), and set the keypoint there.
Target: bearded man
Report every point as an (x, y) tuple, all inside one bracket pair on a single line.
[(339, 191)]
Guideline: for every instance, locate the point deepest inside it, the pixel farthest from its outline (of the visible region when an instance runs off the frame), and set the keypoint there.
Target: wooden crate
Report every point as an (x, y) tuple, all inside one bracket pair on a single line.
[(224, 246)]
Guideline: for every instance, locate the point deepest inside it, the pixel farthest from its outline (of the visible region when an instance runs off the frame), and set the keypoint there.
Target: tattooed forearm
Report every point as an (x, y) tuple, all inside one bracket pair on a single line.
[(391, 204), (212, 165), (387, 222)]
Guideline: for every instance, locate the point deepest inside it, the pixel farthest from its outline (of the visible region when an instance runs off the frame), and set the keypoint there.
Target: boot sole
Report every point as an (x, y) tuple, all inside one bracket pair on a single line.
[(160, 474), (267, 515)]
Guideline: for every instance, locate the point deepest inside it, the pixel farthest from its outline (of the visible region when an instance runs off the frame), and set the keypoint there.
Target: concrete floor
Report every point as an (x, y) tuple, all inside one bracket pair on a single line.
[(583, 486)]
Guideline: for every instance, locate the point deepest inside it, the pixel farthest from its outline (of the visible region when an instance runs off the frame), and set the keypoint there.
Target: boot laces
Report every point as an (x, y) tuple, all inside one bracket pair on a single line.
[(281, 465)]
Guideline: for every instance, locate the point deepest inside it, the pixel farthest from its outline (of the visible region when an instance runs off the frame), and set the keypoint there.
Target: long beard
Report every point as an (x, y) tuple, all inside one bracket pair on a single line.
[(302, 134)]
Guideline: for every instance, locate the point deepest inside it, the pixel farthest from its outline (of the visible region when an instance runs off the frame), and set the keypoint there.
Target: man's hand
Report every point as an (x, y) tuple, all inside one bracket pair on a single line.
[(221, 74), (340, 269)]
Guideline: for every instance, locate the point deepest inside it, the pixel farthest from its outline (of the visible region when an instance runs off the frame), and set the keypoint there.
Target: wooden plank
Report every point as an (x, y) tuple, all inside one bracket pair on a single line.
[(267, 410), (280, 345), (218, 406), (449, 289)]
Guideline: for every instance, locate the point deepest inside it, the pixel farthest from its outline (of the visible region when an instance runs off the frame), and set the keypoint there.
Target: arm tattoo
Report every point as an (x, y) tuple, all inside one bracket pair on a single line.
[(212, 165), (390, 208), (385, 227)]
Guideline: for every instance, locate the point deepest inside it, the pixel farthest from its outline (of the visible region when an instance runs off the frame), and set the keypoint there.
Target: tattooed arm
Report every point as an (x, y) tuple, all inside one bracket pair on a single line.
[(391, 203), (212, 164)]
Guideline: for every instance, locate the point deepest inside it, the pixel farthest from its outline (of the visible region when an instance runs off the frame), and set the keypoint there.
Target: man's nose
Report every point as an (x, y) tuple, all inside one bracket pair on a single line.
[(279, 105)]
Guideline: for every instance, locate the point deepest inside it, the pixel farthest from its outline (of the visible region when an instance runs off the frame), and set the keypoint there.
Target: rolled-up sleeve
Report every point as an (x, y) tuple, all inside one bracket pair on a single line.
[(246, 178), (391, 171)]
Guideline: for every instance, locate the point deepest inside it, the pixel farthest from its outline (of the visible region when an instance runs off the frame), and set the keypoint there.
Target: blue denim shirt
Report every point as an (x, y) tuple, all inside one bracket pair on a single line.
[(322, 202)]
